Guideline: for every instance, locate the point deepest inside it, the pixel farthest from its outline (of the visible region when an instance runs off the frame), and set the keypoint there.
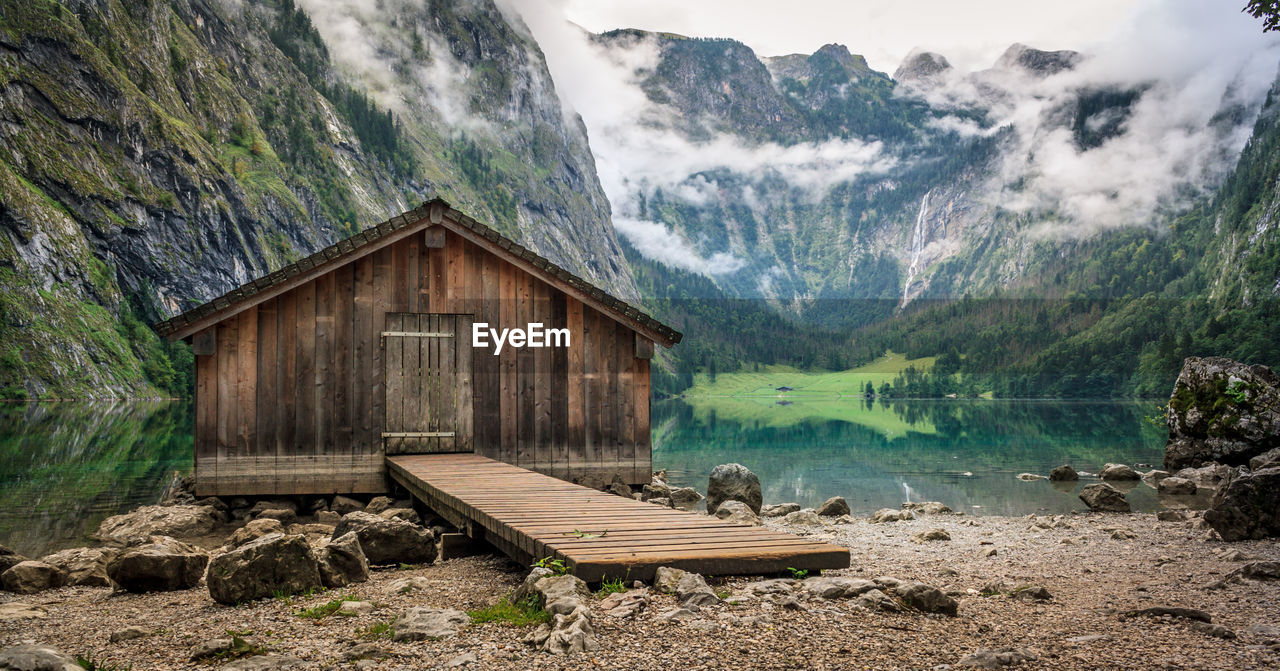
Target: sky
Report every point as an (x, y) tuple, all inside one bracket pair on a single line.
[(971, 34)]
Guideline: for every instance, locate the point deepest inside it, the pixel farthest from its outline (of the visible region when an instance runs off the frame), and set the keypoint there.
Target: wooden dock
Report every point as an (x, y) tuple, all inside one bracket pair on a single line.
[(530, 516)]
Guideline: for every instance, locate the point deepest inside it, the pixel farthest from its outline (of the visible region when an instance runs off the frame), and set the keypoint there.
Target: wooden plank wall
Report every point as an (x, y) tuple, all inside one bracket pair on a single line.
[(292, 400)]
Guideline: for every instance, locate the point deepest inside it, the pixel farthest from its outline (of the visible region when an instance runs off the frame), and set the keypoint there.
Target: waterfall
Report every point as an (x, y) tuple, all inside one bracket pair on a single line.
[(917, 245)]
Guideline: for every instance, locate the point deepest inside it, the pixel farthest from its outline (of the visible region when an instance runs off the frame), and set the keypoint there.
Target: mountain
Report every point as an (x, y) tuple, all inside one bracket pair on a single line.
[(838, 182), (157, 153)]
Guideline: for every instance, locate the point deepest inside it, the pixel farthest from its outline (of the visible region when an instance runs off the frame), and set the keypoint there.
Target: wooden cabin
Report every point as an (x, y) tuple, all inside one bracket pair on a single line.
[(308, 377)]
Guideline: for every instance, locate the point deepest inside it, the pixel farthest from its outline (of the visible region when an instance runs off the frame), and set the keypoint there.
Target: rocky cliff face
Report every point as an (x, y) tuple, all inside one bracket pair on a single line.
[(155, 154)]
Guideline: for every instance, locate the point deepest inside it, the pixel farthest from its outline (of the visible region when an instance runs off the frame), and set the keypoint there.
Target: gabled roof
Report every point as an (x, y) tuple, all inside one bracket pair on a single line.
[(430, 213)]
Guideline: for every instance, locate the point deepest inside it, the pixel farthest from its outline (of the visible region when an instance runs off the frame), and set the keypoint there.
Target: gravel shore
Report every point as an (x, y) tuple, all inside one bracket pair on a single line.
[(1096, 567)]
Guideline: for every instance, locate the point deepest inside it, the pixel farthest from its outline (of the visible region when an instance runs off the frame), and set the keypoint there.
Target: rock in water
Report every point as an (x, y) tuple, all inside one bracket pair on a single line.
[(164, 564), (1103, 497), (84, 566), (733, 482), (271, 565), (1063, 473), (389, 541), (37, 658), (342, 561), (29, 577), (140, 525), (1118, 472), (834, 507), (1175, 486), (421, 624), (685, 498), (738, 513), (1222, 411), (1248, 507)]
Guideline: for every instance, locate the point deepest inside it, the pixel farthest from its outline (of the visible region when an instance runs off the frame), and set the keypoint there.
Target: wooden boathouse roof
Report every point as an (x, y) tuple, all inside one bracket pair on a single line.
[(431, 213)]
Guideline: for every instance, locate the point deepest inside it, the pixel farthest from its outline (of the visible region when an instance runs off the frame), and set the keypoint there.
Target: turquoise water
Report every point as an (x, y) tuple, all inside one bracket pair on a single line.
[(964, 453), (66, 466)]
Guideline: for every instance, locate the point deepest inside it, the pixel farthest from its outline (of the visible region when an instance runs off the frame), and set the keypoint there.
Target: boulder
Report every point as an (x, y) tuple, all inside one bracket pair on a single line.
[(379, 504), (666, 578), (926, 508), (407, 514), (525, 590), (836, 587), (1103, 497), (931, 535), (684, 498), (328, 517), (874, 599), (834, 507), (129, 633), (37, 658), (1063, 473), (566, 633), (661, 502), (1032, 593), (272, 565), (1248, 507), (1222, 411), (1265, 460), (389, 541), (9, 558), (619, 489), (1118, 472), (139, 526), (804, 518), (779, 509), (344, 505), (733, 482), (928, 599), (657, 489), (281, 515), (1153, 477), (738, 513), (273, 504), (1208, 476), (1176, 486), (341, 561), (422, 624), (254, 530), (561, 594), (625, 604), (162, 565), (693, 592), (84, 566), (30, 576), (890, 515)]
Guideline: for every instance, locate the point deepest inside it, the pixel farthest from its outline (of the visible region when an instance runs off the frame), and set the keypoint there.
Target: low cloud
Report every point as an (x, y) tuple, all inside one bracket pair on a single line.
[(658, 242)]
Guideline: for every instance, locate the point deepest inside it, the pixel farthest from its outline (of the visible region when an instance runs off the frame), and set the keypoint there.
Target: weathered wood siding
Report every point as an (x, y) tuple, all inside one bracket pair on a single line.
[(292, 399)]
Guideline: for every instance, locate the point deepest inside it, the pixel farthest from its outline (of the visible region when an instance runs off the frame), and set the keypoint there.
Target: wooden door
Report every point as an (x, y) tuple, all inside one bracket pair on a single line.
[(427, 360)]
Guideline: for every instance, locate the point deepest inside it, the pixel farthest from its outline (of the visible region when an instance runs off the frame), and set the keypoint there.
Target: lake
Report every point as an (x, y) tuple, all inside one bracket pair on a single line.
[(66, 466)]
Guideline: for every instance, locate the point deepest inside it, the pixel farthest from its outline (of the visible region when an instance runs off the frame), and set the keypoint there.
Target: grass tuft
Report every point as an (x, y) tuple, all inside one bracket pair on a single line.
[(325, 609), (525, 613)]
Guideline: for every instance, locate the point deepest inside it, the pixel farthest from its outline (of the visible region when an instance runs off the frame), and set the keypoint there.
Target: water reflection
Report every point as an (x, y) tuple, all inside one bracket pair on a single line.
[(966, 454), (66, 466)]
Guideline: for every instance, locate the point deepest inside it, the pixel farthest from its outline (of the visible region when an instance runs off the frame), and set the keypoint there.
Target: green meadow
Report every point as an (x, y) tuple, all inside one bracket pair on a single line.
[(766, 380)]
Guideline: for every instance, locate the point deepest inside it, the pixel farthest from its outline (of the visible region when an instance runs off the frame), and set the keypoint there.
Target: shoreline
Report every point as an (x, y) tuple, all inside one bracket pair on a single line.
[(1095, 566)]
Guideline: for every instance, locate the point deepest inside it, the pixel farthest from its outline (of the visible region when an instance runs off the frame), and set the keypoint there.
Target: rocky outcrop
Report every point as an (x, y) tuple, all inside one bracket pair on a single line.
[(164, 564), (1248, 507), (566, 633), (1104, 498), (561, 594), (389, 541), (272, 565), (733, 482), (29, 577), (140, 525), (84, 566), (341, 561), (1222, 411)]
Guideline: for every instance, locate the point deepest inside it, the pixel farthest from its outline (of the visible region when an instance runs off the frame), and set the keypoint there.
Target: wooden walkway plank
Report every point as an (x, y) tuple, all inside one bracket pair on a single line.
[(530, 515)]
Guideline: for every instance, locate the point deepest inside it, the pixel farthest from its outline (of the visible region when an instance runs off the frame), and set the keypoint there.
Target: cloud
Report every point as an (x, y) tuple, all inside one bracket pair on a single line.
[(1187, 61), (658, 242)]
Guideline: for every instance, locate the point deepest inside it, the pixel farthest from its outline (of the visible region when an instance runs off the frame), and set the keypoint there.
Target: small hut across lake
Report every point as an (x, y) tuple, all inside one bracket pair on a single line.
[(309, 377)]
